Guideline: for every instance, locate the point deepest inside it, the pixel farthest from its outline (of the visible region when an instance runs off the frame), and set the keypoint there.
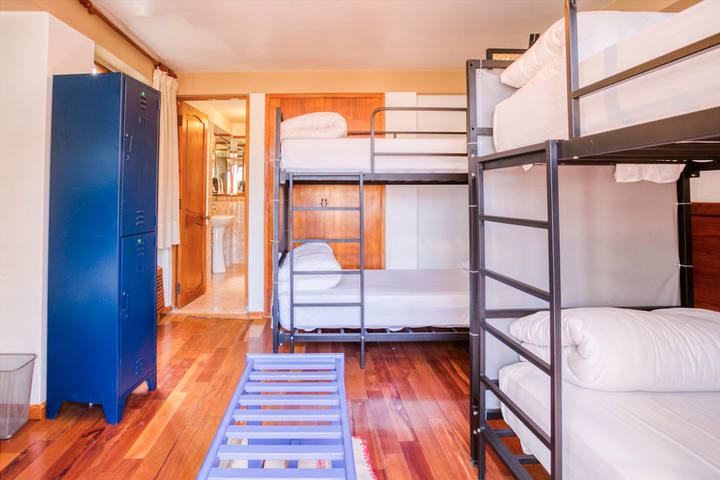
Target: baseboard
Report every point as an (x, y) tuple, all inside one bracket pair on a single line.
[(255, 315), (37, 412)]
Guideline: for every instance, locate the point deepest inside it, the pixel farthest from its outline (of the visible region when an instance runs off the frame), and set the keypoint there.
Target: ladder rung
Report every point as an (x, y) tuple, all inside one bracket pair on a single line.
[(517, 284), (327, 208), (326, 272), (419, 154), (278, 415), (292, 376), (284, 432), (277, 473), (525, 222), (343, 304), (325, 240), (291, 387), (281, 452), (295, 400)]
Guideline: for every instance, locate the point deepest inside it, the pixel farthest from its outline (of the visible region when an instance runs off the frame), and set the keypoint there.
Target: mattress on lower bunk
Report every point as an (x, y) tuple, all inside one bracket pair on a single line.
[(619, 435), (393, 299), (538, 111), (352, 154)]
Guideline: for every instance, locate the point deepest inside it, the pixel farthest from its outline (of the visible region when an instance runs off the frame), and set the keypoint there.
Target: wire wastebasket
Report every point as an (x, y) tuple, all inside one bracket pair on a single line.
[(16, 371)]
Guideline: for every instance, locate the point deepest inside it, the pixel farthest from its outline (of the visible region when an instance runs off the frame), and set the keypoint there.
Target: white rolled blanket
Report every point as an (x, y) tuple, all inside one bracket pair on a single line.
[(617, 349), (314, 125)]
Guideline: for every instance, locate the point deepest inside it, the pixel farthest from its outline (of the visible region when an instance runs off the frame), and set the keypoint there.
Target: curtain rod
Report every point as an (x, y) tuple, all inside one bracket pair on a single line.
[(157, 63)]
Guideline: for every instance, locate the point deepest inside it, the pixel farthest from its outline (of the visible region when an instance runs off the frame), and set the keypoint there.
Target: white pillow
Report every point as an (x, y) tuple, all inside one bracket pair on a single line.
[(311, 256), (596, 32), (314, 125)]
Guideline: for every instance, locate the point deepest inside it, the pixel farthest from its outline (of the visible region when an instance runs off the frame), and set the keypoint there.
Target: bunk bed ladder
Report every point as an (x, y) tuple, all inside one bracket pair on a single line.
[(361, 271), (285, 409)]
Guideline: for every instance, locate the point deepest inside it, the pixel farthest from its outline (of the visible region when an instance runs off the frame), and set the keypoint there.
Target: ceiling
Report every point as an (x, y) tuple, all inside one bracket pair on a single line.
[(233, 110), (318, 35)]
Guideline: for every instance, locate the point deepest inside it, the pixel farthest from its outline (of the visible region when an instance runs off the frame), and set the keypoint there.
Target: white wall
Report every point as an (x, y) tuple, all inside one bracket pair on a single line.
[(256, 203), (40, 46), (426, 226), (706, 188)]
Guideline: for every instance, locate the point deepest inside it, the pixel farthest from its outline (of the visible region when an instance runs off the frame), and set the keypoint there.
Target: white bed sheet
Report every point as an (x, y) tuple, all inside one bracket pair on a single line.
[(620, 435), (538, 111), (393, 299), (352, 154)]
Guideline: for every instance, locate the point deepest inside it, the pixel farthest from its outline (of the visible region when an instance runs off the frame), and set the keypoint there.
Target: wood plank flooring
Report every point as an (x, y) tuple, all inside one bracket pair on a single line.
[(410, 404)]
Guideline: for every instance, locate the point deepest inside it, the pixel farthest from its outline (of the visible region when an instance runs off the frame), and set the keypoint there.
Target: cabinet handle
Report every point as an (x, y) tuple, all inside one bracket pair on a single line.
[(125, 302)]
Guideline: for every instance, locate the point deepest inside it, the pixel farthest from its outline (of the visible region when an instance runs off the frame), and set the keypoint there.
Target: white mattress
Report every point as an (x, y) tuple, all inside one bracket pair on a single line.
[(393, 299), (353, 154), (620, 435), (538, 112)]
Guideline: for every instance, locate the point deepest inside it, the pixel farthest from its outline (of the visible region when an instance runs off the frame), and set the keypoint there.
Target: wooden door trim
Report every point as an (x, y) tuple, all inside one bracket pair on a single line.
[(269, 183), (246, 195)]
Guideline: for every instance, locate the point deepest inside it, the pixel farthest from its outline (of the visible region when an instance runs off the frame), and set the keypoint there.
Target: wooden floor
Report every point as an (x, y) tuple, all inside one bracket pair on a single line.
[(410, 404)]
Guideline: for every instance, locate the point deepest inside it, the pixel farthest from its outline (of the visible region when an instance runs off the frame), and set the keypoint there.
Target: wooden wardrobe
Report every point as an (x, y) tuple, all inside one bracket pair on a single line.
[(356, 108)]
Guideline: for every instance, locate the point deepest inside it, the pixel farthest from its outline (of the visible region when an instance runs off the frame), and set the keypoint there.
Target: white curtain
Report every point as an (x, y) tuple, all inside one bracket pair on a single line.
[(168, 228)]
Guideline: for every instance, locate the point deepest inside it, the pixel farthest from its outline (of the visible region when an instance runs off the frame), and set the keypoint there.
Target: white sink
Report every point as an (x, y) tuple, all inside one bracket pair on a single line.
[(219, 222)]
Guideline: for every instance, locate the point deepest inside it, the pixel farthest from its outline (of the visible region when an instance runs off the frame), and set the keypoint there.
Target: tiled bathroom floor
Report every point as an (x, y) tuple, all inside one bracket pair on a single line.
[(225, 295)]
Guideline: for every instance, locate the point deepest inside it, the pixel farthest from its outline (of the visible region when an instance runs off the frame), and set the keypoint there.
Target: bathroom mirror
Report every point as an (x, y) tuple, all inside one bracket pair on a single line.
[(228, 172)]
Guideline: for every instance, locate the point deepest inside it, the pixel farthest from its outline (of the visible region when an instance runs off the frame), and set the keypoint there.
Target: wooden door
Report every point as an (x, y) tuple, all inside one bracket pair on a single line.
[(308, 223), (706, 255), (356, 108), (346, 224), (192, 150)]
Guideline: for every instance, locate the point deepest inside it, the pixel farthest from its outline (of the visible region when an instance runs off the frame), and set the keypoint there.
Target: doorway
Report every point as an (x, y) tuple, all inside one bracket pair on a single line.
[(211, 260)]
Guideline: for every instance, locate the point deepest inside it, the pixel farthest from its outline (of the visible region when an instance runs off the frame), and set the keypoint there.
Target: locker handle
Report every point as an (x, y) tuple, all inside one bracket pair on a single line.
[(125, 302), (129, 143)]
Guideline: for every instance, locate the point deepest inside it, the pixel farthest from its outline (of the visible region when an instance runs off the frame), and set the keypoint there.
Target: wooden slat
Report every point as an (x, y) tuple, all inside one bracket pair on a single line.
[(277, 473), (264, 365), (315, 415), (292, 376), (286, 432), (291, 387), (281, 452), (299, 400)]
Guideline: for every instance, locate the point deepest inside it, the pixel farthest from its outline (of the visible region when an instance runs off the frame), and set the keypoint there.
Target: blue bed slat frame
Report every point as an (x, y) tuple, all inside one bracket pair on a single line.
[(293, 381)]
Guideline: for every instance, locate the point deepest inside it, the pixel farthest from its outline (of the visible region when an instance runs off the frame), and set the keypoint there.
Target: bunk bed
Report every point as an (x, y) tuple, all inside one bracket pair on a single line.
[(366, 305), (578, 440)]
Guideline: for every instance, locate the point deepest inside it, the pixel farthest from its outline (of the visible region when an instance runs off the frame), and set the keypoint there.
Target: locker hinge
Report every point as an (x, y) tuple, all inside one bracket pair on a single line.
[(177, 287), (179, 202), (179, 120)]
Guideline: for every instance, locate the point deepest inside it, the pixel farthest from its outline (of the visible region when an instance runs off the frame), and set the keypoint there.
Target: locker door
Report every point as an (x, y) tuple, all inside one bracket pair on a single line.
[(137, 309), (140, 157)]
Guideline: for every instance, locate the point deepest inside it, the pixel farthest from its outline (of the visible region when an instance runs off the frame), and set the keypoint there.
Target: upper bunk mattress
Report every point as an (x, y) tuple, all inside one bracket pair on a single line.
[(538, 111), (619, 435), (393, 299), (352, 154)]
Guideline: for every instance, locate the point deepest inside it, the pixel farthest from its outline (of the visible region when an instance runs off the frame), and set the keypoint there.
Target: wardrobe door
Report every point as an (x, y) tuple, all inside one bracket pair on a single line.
[(137, 309), (346, 224), (308, 223), (139, 159)]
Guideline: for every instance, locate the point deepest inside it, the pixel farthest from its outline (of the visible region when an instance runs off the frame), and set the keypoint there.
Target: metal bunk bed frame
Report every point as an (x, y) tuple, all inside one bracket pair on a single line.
[(692, 139), (284, 182)]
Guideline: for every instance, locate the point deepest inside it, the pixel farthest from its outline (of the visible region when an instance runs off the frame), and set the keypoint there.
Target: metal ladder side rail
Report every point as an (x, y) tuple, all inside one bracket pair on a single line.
[(361, 270), (484, 433)]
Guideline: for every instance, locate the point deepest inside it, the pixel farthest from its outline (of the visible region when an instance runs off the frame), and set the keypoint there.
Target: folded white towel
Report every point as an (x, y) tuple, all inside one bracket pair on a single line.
[(625, 173), (314, 125)]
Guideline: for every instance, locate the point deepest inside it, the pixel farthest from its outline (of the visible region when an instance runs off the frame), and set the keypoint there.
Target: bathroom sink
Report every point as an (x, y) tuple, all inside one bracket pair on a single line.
[(221, 220)]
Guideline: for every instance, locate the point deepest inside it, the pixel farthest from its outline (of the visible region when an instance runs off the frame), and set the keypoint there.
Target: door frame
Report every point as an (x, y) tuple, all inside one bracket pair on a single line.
[(239, 96)]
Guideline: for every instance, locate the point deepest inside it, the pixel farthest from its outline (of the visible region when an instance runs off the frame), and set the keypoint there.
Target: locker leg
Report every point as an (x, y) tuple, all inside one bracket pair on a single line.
[(152, 380), (52, 408), (114, 410)]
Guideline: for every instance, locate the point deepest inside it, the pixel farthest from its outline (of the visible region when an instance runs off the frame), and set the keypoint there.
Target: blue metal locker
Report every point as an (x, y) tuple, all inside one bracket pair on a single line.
[(102, 241)]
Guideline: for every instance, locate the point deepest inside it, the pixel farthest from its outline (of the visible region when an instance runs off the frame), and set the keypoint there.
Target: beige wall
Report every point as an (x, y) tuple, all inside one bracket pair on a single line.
[(443, 81), (109, 45)]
